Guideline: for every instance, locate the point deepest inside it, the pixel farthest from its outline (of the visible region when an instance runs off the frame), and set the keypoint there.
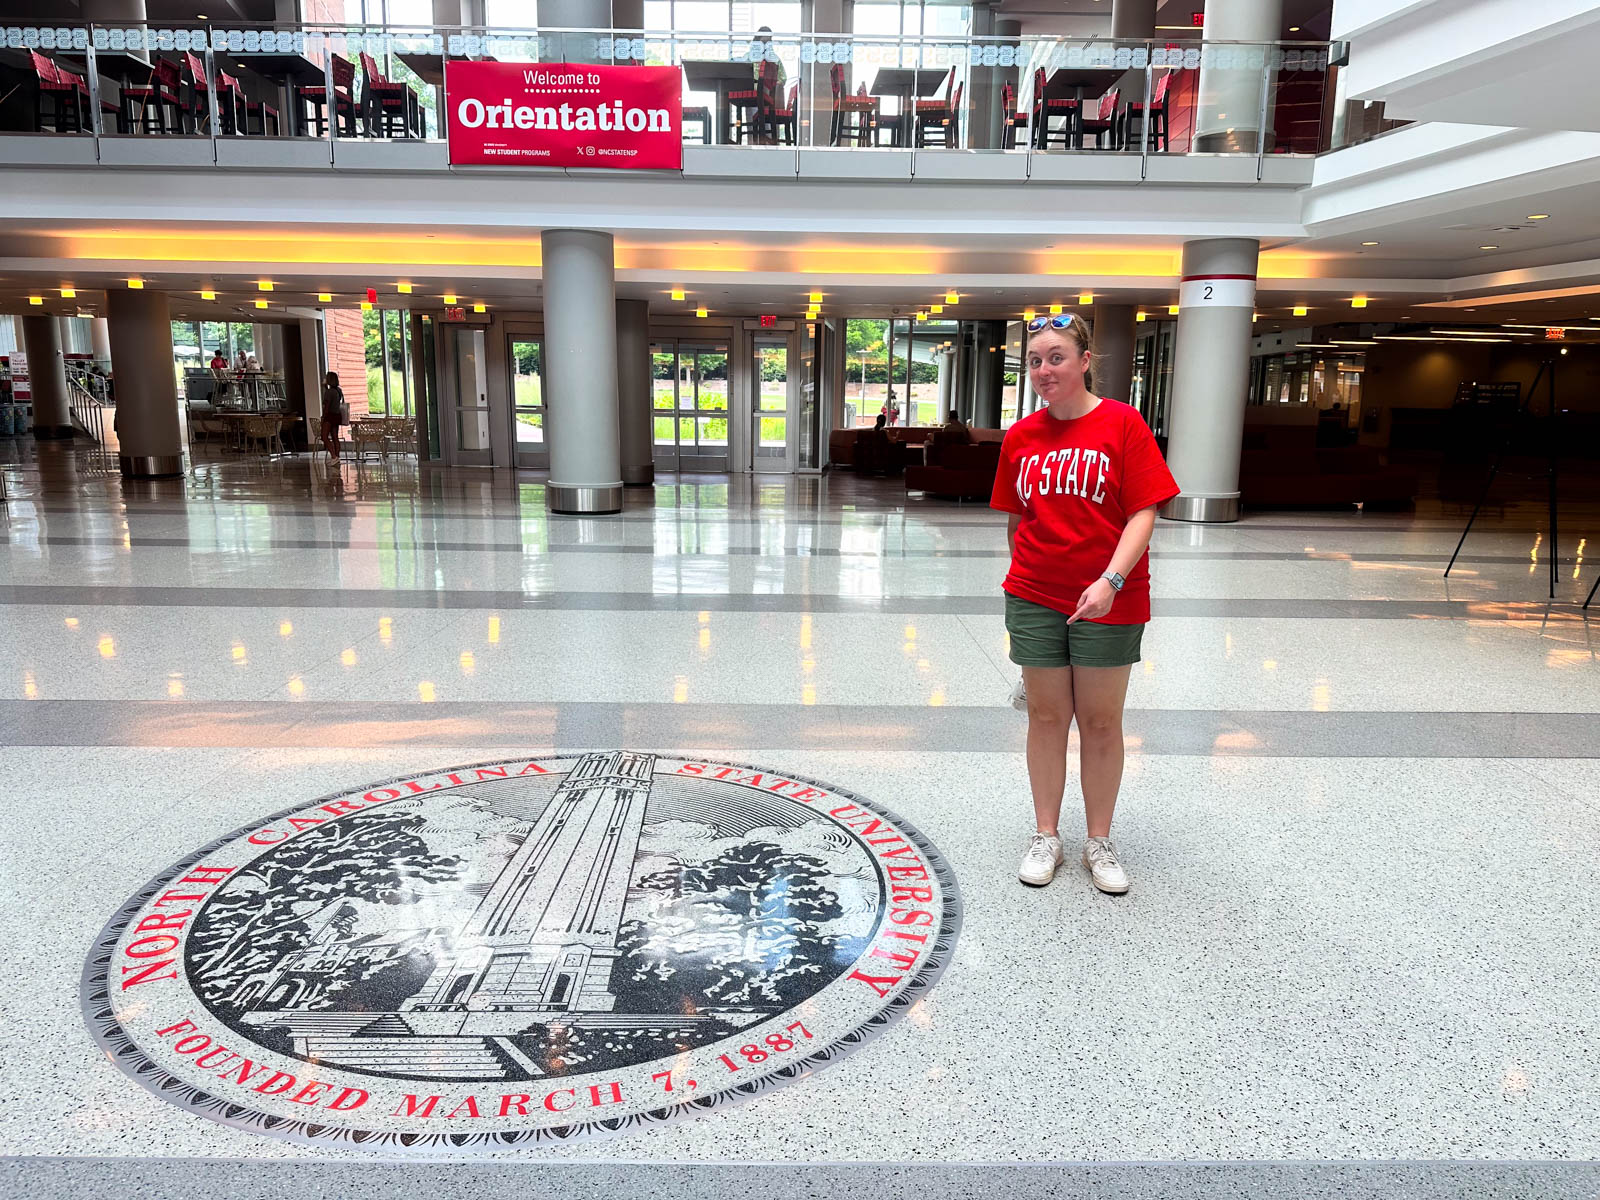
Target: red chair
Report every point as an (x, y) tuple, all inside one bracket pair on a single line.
[(747, 106), (1155, 129), (854, 117), (64, 96), (1015, 119), (1044, 111), (390, 106), (316, 96), (784, 122), (1105, 123), (230, 99), (941, 118), (163, 92)]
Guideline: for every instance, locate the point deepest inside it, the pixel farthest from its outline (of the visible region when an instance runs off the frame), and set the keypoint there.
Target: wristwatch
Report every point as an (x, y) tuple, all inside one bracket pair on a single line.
[(1116, 581)]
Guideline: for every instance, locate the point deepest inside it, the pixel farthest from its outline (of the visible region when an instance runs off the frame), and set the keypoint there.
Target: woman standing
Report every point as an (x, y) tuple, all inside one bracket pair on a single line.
[(335, 412), (1081, 479)]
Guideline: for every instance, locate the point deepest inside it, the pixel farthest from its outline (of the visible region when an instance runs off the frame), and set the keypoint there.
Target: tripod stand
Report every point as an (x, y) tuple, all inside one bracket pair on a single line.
[(1546, 372)]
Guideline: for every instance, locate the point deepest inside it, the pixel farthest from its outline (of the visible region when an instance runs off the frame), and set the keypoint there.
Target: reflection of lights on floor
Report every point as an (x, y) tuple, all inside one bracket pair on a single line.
[(808, 694), (805, 632), (1577, 566), (680, 690), (297, 687), (1269, 664), (348, 658), (468, 663), (494, 631), (286, 630), (425, 692), (30, 689), (108, 648), (239, 655), (1515, 1081), (385, 629), (72, 622), (705, 641), (937, 699)]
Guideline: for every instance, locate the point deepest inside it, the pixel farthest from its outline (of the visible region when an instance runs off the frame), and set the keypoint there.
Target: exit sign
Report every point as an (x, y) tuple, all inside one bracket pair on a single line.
[(769, 320), (455, 312), (1197, 19), (1555, 334)]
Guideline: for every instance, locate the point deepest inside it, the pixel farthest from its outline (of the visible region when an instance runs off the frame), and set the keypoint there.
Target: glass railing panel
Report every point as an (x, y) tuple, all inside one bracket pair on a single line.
[(1017, 95)]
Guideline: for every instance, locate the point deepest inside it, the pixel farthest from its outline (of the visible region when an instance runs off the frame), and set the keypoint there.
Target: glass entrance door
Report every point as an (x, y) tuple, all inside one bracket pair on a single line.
[(771, 447), (468, 430), (689, 395), (525, 357)]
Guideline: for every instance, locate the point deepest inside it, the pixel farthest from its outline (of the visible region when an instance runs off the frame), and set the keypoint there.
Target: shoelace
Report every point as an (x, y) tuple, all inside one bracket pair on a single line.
[(1103, 853), (1039, 847)]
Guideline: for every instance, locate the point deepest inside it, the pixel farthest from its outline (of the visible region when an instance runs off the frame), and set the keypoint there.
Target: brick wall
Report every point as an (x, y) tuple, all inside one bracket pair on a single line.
[(347, 352)]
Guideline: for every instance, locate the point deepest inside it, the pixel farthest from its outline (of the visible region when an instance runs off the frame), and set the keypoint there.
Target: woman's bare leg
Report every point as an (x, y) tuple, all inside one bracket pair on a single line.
[(1098, 697), (1049, 722)]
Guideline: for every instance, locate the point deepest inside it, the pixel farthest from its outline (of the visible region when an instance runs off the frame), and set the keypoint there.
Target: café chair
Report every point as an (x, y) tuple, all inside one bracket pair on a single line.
[(940, 118), (391, 107), (1045, 111), (854, 117), (154, 99), (315, 96), (1015, 119), (1106, 123), (1155, 128)]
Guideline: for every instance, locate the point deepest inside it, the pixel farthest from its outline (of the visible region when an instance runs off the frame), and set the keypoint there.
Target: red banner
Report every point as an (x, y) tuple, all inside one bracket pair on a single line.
[(565, 115)]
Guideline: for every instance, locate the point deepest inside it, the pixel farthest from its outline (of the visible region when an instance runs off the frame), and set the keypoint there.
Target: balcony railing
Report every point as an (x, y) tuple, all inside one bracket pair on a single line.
[(865, 94)]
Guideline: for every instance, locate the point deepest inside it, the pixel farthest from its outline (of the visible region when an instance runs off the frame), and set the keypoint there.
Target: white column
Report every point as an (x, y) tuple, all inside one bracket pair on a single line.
[(1228, 109), (1135, 19), (635, 419), (1210, 377), (944, 385), (47, 377), (580, 346), (146, 387), (100, 340)]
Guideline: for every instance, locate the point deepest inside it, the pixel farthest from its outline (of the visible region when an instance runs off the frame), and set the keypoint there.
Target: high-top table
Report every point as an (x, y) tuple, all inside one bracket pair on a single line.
[(909, 84), (720, 76), (1072, 83)]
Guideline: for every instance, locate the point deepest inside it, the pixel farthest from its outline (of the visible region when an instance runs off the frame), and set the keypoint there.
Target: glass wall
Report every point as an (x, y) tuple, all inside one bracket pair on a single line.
[(388, 344), (1151, 390)]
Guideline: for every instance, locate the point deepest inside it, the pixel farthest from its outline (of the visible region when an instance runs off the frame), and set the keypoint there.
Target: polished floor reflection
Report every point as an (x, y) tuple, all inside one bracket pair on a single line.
[(1362, 806)]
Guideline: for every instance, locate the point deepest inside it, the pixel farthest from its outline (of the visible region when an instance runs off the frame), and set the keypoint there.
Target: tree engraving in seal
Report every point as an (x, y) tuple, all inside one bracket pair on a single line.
[(522, 950)]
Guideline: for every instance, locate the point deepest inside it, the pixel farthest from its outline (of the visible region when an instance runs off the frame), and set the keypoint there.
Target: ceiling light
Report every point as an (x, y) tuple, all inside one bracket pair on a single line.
[(261, 303), (700, 312), (1369, 243), (403, 288), (815, 298), (1028, 314), (936, 308), (1354, 342), (1538, 216), (1294, 29), (1138, 316), (951, 298), (1172, 310), (263, 285), (922, 316), (68, 293), (35, 299), (366, 306), (1055, 310), (1488, 247), (325, 297), (449, 297), (1300, 310), (136, 284), (207, 294), (480, 308), (1086, 298), (677, 293)]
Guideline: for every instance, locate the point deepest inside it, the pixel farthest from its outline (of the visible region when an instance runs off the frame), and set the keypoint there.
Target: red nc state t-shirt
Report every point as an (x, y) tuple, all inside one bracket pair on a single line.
[(1075, 484)]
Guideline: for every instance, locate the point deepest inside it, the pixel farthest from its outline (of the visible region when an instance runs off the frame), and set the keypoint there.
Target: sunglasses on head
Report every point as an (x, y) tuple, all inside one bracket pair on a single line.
[(1060, 322)]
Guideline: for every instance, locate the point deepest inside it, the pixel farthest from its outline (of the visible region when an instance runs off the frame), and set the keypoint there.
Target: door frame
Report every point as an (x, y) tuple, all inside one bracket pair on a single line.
[(532, 331), (708, 335), (787, 332), (449, 426)]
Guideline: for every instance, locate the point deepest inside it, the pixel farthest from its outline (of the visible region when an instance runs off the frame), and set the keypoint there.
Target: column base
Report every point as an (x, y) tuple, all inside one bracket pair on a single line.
[(151, 466), (1207, 510), (644, 476), (54, 433), (579, 501)]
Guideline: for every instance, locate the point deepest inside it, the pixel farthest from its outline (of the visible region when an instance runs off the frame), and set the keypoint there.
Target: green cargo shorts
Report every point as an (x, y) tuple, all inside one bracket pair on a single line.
[(1041, 637)]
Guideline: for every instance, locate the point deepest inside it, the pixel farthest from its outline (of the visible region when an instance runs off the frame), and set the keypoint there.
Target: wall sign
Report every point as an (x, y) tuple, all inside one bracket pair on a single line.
[(533, 949), (564, 115)]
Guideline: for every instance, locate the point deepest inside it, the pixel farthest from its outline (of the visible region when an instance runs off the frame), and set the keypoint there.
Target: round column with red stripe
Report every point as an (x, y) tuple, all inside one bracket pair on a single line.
[(1211, 377)]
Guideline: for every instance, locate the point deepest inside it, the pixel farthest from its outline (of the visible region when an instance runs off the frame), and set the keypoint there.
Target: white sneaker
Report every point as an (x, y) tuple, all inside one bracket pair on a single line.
[(1019, 698), (1100, 856), (1040, 862)]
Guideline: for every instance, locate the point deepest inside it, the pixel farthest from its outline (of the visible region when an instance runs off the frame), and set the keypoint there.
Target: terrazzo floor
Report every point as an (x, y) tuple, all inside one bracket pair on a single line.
[(1361, 813)]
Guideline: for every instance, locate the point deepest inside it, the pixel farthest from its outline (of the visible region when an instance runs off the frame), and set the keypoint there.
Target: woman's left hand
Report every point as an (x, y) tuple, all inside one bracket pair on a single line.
[(1095, 602)]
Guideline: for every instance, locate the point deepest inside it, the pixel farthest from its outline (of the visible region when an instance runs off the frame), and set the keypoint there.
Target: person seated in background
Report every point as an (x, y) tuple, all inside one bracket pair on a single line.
[(955, 430)]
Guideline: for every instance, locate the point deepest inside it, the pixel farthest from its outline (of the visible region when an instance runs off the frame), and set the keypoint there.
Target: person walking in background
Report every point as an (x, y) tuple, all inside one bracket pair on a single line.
[(335, 413), (1081, 479)]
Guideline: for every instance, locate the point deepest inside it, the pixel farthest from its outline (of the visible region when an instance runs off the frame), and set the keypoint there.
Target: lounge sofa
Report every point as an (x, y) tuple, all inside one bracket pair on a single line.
[(963, 471), (1281, 466)]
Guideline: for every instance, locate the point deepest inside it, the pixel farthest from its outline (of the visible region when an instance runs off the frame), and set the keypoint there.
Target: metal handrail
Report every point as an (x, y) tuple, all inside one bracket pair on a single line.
[(88, 414)]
